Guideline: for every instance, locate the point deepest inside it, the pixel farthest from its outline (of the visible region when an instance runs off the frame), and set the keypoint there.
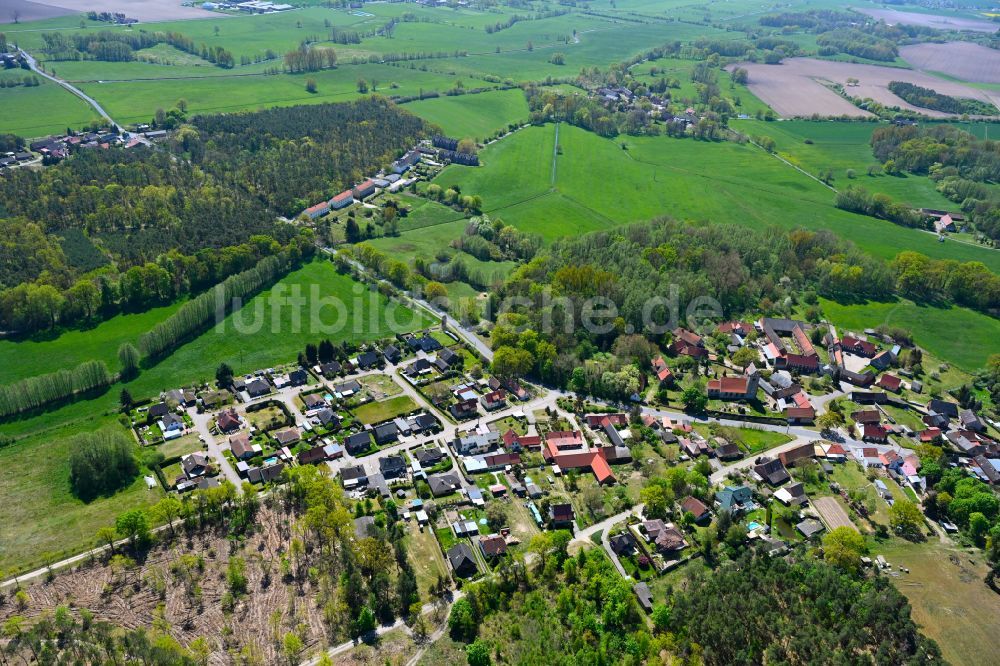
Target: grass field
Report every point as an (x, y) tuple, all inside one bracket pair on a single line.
[(839, 147), (477, 116), (597, 184), (376, 412), (40, 110), (955, 335), (42, 519), (950, 602), (425, 555), (26, 358)]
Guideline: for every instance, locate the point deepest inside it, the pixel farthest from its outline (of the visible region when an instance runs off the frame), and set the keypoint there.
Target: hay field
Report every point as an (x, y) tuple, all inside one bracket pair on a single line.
[(962, 60), (797, 87)]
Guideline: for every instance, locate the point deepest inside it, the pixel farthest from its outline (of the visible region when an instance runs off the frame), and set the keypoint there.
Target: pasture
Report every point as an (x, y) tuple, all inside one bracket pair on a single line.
[(40, 110), (593, 183), (840, 146), (946, 591), (955, 335), (478, 116)]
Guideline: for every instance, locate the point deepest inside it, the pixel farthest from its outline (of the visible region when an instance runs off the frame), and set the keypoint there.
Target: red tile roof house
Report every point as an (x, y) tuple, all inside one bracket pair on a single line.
[(858, 347), (493, 545), (930, 435), (493, 400), (800, 414), (660, 369), (510, 438), (797, 362), (345, 198), (889, 382), (228, 420), (319, 210), (867, 416), (365, 189), (598, 421), (733, 388), (595, 460), (695, 507), (687, 343), (564, 439), (740, 328), (874, 433)]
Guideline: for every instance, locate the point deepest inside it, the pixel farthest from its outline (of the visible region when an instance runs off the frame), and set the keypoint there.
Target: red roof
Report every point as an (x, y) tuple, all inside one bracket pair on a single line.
[(875, 432), (889, 382), (596, 421), (563, 439), (803, 341), (323, 205), (343, 196), (593, 459), (862, 346), (729, 385), (836, 450), (734, 327), (930, 435), (800, 413), (800, 361), (663, 373)]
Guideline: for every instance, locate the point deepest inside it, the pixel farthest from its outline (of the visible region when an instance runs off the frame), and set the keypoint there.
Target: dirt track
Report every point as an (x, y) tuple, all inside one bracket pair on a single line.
[(798, 87)]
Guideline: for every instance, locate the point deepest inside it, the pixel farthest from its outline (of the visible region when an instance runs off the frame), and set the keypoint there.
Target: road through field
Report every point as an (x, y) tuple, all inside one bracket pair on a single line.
[(76, 91)]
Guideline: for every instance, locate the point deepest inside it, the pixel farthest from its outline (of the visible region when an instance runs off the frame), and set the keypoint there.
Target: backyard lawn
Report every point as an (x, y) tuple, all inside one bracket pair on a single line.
[(383, 410)]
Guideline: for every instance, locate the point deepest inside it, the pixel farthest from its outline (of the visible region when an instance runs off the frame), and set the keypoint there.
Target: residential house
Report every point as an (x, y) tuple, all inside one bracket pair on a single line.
[(771, 471), (385, 433), (797, 362), (792, 495), (517, 442), (354, 477), (265, 474), (889, 382), (477, 444), (695, 507), (968, 442), (492, 546), (891, 460), (867, 417), (970, 421), (462, 560), (883, 360), (800, 415), (258, 387), (313, 456), (419, 367), (182, 397), (929, 436), (241, 447), (171, 426), (858, 347), (287, 436), (429, 457), (464, 409), (157, 412), (423, 423), (598, 421), (392, 353), (493, 400), (662, 372), (695, 446), (392, 467), (228, 421), (870, 457), (728, 451), (194, 464), (666, 538), (943, 407), (622, 543), (313, 402), (358, 442), (564, 439), (347, 389), (874, 433), (561, 515), (331, 369), (810, 527), (369, 360), (444, 484), (298, 377), (688, 343)]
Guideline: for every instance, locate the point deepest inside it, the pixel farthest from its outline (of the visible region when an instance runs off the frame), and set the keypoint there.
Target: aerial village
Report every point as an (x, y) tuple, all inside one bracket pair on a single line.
[(816, 433)]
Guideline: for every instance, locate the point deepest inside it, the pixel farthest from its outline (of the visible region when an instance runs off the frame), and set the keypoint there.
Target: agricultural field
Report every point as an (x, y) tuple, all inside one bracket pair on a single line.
[(43, 109), (476, 116), (932, 328), (961, 60), (818, 146), (592, 183), (936, 21), (797, 88)]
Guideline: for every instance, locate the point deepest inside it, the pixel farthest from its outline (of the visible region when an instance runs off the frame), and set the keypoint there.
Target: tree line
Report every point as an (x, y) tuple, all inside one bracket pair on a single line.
[(120, 46), (926, 98), (37, 392), (192, 317)]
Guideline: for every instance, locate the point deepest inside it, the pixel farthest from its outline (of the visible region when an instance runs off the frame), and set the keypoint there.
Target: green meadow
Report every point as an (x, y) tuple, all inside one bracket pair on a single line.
[(40, 110), (956, 335), (599, 184), (477, 116)]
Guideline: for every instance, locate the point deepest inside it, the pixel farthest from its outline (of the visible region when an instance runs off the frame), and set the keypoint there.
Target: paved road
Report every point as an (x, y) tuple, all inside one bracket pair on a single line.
[(33, 64)]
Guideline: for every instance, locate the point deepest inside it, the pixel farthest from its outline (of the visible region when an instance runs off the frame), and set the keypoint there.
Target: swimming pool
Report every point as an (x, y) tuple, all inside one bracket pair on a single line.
[(270, 461), (752, 525)]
